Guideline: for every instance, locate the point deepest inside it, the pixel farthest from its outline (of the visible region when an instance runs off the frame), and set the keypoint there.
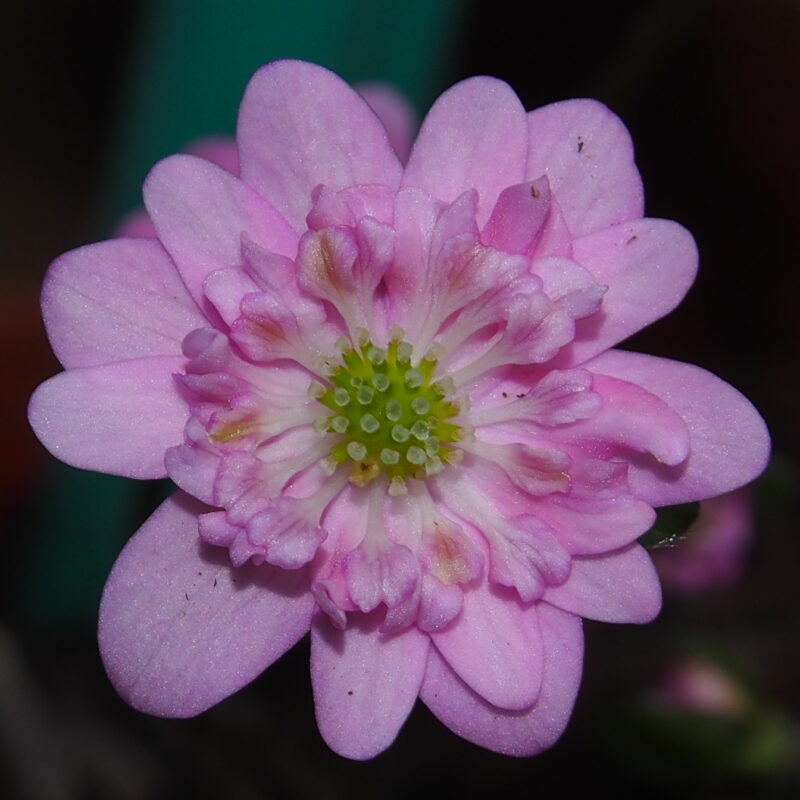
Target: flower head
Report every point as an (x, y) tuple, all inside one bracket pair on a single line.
[(388, 391)]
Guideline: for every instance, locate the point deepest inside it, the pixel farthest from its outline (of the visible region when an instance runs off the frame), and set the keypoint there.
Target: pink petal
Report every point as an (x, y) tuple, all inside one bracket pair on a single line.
[(587, 154), (648, 266), (597, 513), (389, 576), (439, 604), (225, 289), (474, 136), (415, 215), (119, 418), (193, 469), (346, 207), (555, 240), (365, 683), (287, 536), (560, 398), (116, 300), (570, 286), (518, 733), (180, 629), (518, 217), (621, 586), (301, 126), (448, 553), (588, 529), (728, 440), (201, 211), (218, 149), (396, 114), (495, 647), (630, 417)]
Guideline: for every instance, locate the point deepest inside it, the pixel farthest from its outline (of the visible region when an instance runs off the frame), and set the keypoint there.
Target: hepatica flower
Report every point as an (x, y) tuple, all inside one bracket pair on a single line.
[(388, 392)]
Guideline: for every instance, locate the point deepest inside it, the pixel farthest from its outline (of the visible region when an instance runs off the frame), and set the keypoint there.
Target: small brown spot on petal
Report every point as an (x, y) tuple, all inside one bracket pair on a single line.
[(328, 257), (232, 430)]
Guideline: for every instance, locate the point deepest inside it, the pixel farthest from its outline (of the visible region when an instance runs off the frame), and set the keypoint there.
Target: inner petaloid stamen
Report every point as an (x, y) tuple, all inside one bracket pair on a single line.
[(394, 416)]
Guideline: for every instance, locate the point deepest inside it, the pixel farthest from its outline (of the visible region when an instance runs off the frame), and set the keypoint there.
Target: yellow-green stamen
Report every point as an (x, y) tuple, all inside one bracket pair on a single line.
[(395, 417)]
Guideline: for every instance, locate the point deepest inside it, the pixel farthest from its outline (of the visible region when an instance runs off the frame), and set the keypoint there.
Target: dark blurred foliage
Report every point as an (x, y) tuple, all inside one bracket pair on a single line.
[(710, 91)]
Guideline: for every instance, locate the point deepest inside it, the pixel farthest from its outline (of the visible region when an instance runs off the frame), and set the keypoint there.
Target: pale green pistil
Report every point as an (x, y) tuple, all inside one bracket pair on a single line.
[(395, 417)]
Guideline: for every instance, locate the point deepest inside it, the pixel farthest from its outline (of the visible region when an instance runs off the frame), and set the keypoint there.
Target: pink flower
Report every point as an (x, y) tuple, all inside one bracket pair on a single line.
[(389, 392), (713, 553)]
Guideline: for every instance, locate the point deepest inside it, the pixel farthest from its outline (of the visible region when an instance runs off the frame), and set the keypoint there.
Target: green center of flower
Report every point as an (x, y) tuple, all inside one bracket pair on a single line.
[(393, 416)]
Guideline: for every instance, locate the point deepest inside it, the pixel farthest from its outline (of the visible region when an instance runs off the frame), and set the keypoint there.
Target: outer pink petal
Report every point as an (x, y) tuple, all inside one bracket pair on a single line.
[(118, 418), (396, 114), (301, 126), (586, 152), (648, 266), (116, 300), (180, 629), (495, 647), (517, 733), (615, 587), (365, 682), (474, 136), (728, 440), (201, 211)]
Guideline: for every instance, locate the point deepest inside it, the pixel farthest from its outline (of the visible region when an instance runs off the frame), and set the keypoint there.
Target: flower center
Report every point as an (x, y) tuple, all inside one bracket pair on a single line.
[(394, 417)]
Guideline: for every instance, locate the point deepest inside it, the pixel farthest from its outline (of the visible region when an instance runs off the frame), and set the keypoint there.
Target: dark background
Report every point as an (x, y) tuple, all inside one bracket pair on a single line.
[(711, 93)]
